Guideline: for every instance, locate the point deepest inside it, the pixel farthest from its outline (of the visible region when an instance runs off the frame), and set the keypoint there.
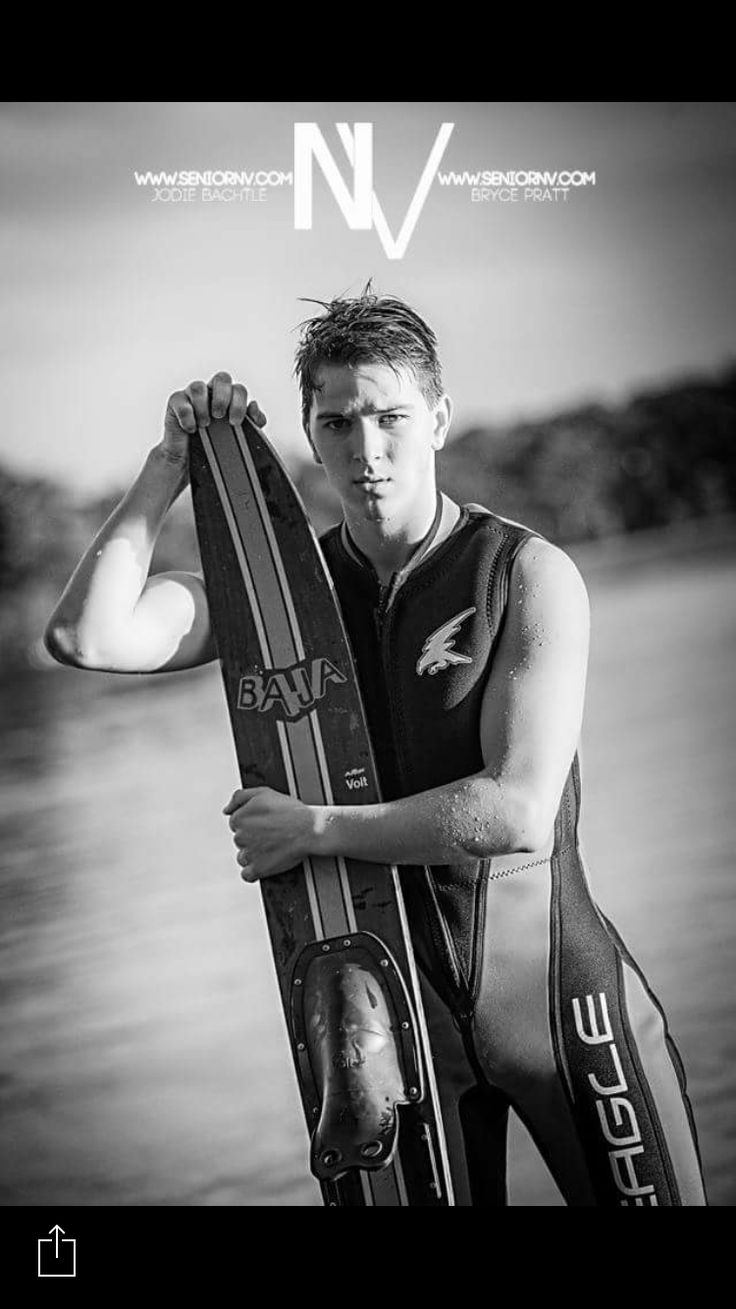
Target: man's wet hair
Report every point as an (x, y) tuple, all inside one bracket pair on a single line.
[(369, 328)]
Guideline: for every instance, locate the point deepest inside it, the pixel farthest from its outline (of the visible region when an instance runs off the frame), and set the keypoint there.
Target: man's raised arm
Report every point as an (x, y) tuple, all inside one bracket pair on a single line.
[(112, 616)]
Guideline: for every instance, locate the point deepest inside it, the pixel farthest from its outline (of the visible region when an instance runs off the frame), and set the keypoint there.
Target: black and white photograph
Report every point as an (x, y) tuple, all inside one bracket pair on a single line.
[(367, 634)]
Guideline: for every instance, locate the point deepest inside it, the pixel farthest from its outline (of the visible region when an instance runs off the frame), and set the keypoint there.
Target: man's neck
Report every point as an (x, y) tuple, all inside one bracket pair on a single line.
[(389, 545)]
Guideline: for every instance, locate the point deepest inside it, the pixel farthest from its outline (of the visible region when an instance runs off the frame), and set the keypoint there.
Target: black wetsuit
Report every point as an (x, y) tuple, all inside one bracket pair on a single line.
[(533, 1000)]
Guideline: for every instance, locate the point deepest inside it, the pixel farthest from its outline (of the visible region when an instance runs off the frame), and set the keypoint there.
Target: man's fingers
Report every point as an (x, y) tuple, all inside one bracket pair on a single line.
[(202, 403), (180, 406), (221, 388), (256, 414), (238, 405), (197, 392), (240, 798)]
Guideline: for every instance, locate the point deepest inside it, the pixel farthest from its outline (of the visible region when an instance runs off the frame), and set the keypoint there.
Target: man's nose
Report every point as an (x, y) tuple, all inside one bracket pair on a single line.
[(367, 441)]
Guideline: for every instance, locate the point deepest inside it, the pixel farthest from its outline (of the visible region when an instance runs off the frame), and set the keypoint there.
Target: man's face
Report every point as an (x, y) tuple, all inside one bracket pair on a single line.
[(376, 435)]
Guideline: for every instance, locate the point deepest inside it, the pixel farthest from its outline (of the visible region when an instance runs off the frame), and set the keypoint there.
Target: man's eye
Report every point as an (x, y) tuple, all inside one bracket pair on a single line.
[(336, 424), (392, 418)]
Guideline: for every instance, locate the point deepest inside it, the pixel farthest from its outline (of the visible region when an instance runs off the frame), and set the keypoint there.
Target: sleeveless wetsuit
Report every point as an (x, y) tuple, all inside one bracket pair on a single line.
[(532, 999)]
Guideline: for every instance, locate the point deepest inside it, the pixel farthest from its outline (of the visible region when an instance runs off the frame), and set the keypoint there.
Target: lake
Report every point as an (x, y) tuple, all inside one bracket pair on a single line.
[(144, 1057)]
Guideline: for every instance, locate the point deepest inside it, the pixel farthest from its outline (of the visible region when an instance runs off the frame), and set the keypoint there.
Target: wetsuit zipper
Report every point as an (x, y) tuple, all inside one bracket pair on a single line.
[(444, 945)]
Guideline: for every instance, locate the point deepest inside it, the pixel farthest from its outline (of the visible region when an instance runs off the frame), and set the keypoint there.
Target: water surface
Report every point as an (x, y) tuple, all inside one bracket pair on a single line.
[(143, 1051)]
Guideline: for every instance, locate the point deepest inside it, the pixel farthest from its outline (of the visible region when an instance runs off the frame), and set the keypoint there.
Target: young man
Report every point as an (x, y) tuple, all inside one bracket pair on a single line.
[(470, 634)]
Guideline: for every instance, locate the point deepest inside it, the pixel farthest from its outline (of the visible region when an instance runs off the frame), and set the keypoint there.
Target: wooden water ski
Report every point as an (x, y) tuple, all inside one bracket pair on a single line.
[(338, 929)]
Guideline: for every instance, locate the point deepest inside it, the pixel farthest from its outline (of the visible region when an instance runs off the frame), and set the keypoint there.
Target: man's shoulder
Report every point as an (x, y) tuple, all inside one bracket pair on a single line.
[(479, 518), (542, 568), (480, 512), (534, 558)]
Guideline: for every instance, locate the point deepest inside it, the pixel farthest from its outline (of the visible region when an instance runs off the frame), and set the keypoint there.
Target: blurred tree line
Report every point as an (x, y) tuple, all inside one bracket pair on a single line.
[(662, 457), (595, 471)]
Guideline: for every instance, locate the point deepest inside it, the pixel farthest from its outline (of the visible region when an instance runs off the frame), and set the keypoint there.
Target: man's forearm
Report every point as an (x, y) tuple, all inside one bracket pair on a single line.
[(107, 583), (473, 818)]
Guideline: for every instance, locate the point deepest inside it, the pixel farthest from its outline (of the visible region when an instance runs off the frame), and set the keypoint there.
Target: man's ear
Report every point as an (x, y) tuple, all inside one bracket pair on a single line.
[(442, 420)]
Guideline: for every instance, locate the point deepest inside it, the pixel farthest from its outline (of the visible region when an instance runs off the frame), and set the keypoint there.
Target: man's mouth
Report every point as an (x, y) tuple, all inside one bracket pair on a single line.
[(370, 481)]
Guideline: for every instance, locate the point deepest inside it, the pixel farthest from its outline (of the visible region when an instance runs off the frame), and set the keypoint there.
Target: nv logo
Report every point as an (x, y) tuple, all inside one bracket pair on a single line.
[(360, 208), (439, 651), (289, 692)]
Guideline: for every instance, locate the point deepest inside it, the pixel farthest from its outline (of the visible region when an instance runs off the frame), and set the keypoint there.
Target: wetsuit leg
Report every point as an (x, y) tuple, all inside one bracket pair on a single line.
[(566, 1026), (475, 1115)]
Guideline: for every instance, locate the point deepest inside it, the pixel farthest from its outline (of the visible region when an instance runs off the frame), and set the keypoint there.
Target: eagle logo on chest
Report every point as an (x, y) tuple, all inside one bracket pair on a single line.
[(438, 651)]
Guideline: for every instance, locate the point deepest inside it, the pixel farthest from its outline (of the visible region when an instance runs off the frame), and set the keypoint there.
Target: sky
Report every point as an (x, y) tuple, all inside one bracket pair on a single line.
[(113, 296)]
